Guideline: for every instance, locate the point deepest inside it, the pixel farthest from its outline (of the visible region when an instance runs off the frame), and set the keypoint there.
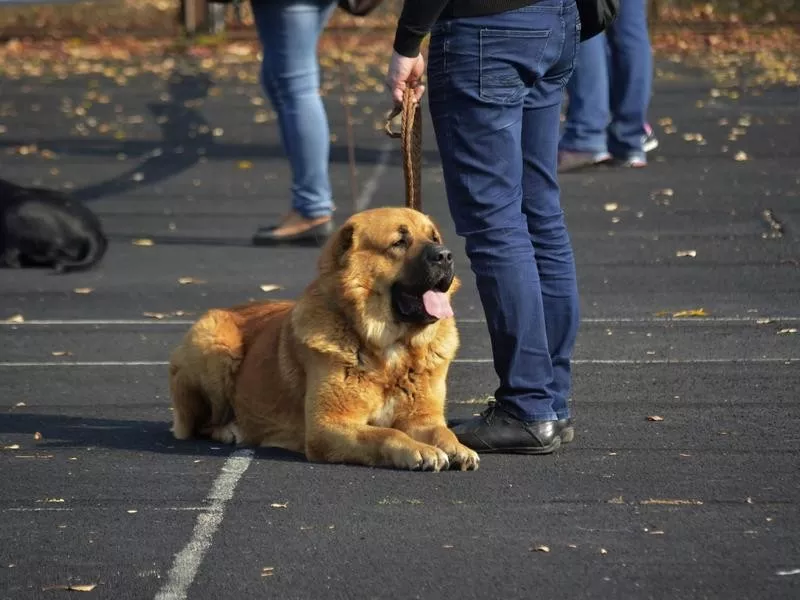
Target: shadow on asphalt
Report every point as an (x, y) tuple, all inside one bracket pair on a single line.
[(61, 432)]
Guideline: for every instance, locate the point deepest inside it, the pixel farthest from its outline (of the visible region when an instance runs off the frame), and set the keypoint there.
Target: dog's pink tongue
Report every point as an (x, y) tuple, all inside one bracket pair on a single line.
[(437, 304)]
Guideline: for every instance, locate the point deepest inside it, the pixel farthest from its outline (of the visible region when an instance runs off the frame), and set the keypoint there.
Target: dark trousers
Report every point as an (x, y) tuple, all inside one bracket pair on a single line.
[(496, 85)]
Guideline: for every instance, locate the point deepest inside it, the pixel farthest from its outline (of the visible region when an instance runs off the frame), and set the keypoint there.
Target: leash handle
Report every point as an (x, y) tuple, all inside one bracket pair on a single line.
[(410, 135)]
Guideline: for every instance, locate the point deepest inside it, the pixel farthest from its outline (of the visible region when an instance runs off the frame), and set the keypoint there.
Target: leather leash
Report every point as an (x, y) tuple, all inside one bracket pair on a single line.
[(410, 135)]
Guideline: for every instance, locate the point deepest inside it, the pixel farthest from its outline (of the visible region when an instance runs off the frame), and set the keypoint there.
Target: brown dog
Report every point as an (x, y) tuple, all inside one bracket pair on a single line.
[(353, 372)]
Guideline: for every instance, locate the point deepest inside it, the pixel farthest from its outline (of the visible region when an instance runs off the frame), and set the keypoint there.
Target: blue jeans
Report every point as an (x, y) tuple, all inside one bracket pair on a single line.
[(496, 85), (289, 31), (610, 90)]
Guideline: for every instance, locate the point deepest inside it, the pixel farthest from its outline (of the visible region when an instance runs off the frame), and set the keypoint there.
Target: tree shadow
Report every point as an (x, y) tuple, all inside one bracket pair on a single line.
[(186, 137), (67, 432)]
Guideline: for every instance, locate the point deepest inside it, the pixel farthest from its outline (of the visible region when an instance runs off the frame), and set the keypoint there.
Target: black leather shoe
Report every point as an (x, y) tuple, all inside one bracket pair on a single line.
[(313, 236), (497, 430), (565, 430)]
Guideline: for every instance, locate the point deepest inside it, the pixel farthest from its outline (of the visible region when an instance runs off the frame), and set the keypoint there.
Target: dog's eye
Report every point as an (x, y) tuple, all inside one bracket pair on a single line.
[(401, 243), (435, 238)]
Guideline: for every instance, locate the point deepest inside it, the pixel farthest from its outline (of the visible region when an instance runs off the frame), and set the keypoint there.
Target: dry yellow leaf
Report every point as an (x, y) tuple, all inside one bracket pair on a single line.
[(61, 353), (279, 505), (83, 290), (787, 331), (37, 436), (267, 571), (611, 206), (695, 312), (740, 156), (54, 500), (245, 164), (78, 587), (655, 418), (270, 287), (189, 281), (686, 253), (603, 551), (616, 500), (154, 315), (143, 242), (15, 319), (11, 447), (541, 548)]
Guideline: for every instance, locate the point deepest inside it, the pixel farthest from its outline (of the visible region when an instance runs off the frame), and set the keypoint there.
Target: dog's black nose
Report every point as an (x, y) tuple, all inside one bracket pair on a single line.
[(438, 255)]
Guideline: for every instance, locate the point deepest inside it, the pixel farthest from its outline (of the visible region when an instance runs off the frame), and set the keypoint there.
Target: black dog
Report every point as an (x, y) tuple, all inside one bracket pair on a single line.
[(46, 228)]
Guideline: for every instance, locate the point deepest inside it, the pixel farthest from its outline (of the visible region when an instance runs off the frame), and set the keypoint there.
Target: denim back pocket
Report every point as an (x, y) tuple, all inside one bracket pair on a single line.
[(510, 62)]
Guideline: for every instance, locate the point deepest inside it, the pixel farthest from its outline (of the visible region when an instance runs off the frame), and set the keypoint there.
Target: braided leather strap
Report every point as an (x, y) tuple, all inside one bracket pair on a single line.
[(410, 135)]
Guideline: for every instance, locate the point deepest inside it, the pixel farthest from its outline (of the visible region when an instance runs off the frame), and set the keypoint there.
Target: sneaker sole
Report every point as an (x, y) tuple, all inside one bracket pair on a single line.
[(650, 145), (555, 445)]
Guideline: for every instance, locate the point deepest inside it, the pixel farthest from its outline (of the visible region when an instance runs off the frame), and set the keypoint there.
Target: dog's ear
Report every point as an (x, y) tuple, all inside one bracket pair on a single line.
[(336, 249)]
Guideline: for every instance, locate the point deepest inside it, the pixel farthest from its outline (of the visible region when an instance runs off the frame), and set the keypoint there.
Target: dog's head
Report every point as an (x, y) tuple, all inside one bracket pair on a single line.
[(390, 265)]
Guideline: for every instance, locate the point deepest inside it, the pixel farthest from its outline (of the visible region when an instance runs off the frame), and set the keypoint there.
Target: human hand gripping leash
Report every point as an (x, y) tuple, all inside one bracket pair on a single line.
[(410, 135)]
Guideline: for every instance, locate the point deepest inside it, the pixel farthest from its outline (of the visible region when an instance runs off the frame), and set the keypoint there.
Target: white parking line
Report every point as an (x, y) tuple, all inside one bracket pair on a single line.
[(371, 187), (586, 321), (188, 560), (463, 361)]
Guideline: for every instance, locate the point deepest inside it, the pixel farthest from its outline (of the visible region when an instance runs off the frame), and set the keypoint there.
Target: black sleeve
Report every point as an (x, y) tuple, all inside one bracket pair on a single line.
[(415, 23)]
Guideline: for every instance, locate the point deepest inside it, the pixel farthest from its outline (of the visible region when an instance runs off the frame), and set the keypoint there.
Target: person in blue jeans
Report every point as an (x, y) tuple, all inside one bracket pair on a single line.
[(497, 72), (289, 31), (609, 94)]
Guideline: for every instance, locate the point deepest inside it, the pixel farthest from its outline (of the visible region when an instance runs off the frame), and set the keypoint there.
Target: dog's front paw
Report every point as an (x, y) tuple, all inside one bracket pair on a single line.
[(463, 458), (420, 457)]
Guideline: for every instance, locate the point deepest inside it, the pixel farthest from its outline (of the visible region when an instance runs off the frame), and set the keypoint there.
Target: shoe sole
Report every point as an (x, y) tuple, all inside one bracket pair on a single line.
[(555, 445), (650, 145)]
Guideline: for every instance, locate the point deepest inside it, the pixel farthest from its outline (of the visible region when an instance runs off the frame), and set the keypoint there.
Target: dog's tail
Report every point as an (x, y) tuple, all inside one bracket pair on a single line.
[(94, 249)]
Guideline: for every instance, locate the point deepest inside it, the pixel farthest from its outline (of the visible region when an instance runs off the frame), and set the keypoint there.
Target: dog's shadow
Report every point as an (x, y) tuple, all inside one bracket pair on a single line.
[(67, 432)]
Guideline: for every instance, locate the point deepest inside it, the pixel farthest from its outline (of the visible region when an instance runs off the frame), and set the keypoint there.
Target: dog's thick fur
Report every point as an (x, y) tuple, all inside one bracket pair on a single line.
[(46, 228), (336, 375)]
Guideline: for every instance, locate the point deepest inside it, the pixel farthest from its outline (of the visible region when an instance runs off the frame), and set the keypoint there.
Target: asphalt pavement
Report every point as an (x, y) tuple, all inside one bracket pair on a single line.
[(683, 478)]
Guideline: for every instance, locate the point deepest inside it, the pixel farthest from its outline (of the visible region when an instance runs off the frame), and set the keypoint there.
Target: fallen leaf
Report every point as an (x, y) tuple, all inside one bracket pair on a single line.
[(15, 319), (671, 502), (154, 315), (541, 549), (190, 281), (143, 242), (279, 505), (603, 551), (610, 206), (655, 418), (132, 511), (788, 572), (11, 447), (740, 156), (787, 331), (18, 404), (83, 290), (245, 164), (37, 436), (54, 500), (270, 287), (684, 253), (616, 500), (267, 571), (61, 353), (763, 321), (695, 312), (88, 587)]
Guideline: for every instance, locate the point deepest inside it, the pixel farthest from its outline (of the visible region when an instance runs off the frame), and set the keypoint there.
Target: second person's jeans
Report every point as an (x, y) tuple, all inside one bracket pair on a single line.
[(496, 84), (289, 31), (609, 92)]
